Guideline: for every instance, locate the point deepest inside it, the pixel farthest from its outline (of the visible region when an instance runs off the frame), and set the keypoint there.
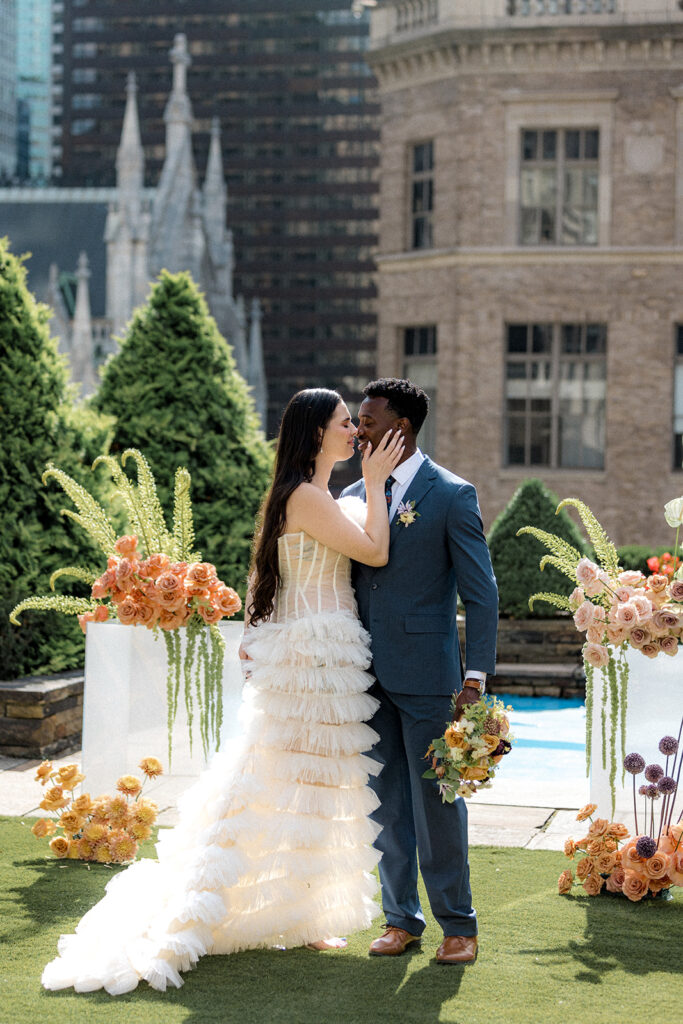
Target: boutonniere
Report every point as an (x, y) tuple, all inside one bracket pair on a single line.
[(406, 513)]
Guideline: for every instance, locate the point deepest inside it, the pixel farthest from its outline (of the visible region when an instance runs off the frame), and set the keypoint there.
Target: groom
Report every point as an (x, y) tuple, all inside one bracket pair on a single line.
[(409, 608)]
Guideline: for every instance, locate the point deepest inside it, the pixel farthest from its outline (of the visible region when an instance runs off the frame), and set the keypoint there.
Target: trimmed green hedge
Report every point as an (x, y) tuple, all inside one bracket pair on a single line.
[(516, 559)]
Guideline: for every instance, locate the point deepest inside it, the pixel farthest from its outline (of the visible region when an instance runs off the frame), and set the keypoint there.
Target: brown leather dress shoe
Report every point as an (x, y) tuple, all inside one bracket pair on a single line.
[(393, 942), (457, 949)]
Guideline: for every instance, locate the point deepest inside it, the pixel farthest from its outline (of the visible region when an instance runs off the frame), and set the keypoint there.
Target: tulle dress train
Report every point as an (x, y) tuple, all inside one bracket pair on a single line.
[(274, 842)]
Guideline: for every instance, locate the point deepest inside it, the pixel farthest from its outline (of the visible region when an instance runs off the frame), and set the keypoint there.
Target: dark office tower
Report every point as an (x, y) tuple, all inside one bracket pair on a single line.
[(299, 123)]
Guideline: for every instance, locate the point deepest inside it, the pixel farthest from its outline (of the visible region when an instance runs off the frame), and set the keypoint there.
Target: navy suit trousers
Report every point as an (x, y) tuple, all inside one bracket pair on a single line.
[(413, 817)]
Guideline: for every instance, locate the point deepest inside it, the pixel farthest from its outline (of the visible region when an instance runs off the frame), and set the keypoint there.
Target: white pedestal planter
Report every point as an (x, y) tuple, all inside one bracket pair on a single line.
[(655, 706), (125, 712)]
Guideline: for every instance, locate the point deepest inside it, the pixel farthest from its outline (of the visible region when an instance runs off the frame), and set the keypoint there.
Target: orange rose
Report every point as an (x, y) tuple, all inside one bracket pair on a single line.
[(455, 738), (210, 615), (54, 799), (676, 832), (593, 884), (615, 880), (564, 882), (227, 599), (173, 620), (610, 844), (71, 822), (102, 586), (169, 584), (630, 859), (617, 830), (172, 601), (69, 776), (84, 619), (475, 774), (605, 862), (586, 812), (59, 846), (43, 772), (44, 827), (594, 847), (148, 614), (598, 827), (634, 886), (657, 865), (126, 546), (200, 576), (178, 569), (569, 848), (657, 884), (125, 574), (676, 867), (585, 867), (153, 566)]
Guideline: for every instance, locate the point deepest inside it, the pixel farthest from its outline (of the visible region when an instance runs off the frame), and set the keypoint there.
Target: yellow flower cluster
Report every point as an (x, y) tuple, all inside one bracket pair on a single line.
[(106, 829)]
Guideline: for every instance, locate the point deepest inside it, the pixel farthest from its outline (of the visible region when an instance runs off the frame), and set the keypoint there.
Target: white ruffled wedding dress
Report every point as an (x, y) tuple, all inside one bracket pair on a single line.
[(273, 845)]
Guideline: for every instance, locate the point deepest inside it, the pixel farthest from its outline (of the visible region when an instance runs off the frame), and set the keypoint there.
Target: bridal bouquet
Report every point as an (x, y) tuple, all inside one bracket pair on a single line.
[(106, 829), (155, 579), (464, 759), (616, 609)]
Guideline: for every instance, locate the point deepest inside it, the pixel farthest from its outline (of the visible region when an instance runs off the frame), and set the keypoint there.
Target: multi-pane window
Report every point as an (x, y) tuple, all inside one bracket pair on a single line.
[(422, 196), (559, 186), (419, 365), (555, 383), (678, 399)]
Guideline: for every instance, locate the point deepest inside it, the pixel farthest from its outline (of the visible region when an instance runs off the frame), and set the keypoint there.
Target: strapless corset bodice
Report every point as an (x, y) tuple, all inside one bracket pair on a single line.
[(314, 579)]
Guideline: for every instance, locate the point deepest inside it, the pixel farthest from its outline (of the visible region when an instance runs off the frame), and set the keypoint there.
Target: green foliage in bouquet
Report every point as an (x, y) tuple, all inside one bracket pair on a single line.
[(515, 562), (200, 666), (175, 393), (38, 423)]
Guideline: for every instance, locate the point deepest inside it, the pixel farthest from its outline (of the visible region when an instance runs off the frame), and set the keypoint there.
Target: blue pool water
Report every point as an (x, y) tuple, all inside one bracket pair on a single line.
[(550, 736)]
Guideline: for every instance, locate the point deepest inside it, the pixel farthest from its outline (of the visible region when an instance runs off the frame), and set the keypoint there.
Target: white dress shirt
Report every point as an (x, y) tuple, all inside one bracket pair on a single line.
[(404, 475)]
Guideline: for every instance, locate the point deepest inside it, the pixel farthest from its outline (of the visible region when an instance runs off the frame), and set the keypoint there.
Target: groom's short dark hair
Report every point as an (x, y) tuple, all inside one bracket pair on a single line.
[(403, 397)]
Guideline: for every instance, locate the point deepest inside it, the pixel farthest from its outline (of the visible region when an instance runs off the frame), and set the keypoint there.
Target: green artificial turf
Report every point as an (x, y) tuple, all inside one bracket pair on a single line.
[(543, 958)]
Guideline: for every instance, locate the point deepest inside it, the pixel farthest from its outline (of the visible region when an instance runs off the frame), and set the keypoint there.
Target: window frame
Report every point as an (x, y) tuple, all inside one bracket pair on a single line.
[(414, 177), (677, 464), (426, 336)]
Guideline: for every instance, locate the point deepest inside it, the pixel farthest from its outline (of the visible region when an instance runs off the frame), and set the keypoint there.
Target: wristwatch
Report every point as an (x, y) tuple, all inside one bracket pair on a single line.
[(475, 684)]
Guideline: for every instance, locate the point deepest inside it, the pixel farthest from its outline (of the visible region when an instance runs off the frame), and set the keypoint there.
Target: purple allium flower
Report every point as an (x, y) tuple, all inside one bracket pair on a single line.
[(643, 790), (654, 772), (668, 745), (652, 792), (666, 784), (646, 847), (634, 763)]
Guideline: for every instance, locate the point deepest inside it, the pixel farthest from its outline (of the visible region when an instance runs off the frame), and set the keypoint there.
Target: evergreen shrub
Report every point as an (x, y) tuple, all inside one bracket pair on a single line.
[(516, 559), (38, 424), (175, 394)]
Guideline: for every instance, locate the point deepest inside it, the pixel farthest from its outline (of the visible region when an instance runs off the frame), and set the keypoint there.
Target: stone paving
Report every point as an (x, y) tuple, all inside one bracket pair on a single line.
[(536, 816)]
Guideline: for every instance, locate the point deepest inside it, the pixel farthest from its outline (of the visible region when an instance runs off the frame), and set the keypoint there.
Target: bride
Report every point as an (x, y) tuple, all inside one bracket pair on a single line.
[(273, 845)]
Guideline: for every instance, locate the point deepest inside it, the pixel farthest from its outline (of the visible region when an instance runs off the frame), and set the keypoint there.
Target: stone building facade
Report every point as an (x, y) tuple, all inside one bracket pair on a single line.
[(531, 243)]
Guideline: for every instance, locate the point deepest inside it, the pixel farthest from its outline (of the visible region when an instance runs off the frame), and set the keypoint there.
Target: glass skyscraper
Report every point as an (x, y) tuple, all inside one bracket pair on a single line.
[(34, 113)]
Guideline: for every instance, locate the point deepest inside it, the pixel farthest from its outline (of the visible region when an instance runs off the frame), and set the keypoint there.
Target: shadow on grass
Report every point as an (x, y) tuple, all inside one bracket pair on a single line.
[(301, 987), (620, 935)]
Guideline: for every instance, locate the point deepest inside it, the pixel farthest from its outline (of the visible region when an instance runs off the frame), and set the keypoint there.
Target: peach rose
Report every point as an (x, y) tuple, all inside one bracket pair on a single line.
[(103, 584), (44, 827), (615, 880), (676, 866), (576, 598), (623, 594), (59, 846), (82, 805), (594, 847), (128, 612), (174, 619), (179, 569), (664, 618), (605, 862), (125, 574), (657, 865), (586, 572), (650, 650), (154, 565), (657, 884), (200, 576), (627, 614), (585, 867), (609, 844), (148, 614), (593, 884), (126, 546), (84, 619), (595, 634), (54, 799), (475, 774), (634, 886), (209, 615), (669, 645), (586, 812), (616, 635), (569, 848), (617, 830), (639, 637), (631, 578), (629, 858), (169, 582), (643, 607), (596, 655), (598, 827), (564, 882), (676, 590), (101, 613), (676, 832), (657, 583), (455, 738), (227, 599), (595, 587), (583, 616)]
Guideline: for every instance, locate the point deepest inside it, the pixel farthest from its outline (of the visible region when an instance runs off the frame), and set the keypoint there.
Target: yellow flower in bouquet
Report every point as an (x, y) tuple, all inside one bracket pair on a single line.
[(151, 767), (44, 827), (68, 776), (43, 772), (54, 799), (130, 785)]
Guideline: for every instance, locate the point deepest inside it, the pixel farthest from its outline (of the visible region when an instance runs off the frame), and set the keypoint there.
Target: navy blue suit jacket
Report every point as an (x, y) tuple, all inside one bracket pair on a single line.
[(409, 605)]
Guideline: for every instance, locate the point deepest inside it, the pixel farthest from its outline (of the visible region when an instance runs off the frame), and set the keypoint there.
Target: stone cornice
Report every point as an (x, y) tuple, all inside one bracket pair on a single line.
[(394, 263), (442, 54)]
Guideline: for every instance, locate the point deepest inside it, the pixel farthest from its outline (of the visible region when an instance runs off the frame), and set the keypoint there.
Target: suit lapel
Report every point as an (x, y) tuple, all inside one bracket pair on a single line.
[(420, 485)]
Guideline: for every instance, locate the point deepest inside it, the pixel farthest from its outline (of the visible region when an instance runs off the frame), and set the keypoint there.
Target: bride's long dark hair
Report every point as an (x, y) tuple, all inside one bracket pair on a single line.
[(303, 421)]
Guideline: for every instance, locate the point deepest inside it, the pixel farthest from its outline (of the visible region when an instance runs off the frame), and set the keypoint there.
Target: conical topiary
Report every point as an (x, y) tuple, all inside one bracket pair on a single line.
[(176, 395), (516, 559), (38, 424)]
